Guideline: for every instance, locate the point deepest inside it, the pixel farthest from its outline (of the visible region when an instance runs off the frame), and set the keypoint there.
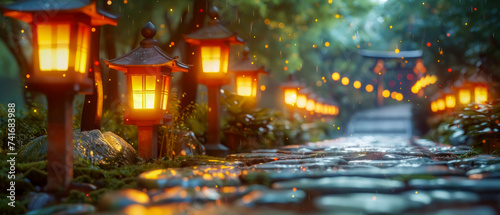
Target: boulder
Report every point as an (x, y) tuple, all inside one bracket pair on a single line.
[(91, 145)]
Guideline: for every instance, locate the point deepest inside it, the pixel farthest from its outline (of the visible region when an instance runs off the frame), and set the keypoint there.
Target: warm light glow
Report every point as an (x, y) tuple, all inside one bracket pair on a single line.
[(291, 96), (450, 101), (394, 94), (399, 97), (357, 84), (301, 101), (262, 87), (335, 76), (211, 59), (143, 91), (318, 108), (464, 96), (345, 80), (164, 93), (82, 49), (246, 85), (386, 93), (434, 106), (310, 104), (53, 46), (480, 94), (369, 88), (441, 104)]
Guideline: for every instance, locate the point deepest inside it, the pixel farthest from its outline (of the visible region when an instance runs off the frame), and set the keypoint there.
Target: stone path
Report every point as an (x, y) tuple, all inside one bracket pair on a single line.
[(353, 175)]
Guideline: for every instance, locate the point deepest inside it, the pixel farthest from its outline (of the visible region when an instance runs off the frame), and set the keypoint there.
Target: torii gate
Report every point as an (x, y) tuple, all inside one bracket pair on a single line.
[(380, 70)]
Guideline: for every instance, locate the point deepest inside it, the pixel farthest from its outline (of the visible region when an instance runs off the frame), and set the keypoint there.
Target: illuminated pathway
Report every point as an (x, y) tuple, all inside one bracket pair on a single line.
[(360, 174)]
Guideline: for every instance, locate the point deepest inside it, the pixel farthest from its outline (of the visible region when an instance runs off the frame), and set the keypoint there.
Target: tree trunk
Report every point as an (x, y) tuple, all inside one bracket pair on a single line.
[(189, 82), (111, 90), (92, 106)]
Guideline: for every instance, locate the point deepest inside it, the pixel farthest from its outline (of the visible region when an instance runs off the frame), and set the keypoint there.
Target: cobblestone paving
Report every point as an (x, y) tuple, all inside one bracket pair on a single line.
[(353, 175)]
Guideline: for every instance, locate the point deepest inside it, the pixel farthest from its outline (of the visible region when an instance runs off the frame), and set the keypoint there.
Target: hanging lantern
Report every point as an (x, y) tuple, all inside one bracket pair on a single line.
[(290, 90), (148, 70), (246, 75)]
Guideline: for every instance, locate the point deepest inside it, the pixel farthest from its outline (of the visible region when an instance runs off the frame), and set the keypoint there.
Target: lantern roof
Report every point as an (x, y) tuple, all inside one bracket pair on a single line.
[(27, 9), (477, 78), (447, 91), (291, 83), (147, 54), (213, 32), (436, 96), (246, 65), (305, 91)]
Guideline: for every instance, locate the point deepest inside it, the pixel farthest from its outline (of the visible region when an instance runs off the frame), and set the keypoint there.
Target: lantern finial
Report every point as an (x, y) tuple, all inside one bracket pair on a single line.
[(148, 32), (213, 13)]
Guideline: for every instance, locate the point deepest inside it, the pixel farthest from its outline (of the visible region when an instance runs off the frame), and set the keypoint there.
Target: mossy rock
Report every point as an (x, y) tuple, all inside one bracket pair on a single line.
[(92, 146)]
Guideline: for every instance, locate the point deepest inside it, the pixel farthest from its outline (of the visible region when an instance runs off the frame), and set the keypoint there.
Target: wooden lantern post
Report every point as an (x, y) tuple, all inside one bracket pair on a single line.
[(61, 45), (246, 75), (380, 70), (148, 70), (214, 41)]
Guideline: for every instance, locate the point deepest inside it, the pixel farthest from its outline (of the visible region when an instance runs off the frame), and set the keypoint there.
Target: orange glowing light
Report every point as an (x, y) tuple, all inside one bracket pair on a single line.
[(335, 76), (301, 101), (310, 106), (211, 59), (369, 88), (345, 80), (291, 96), (143, 91), (53, 46), (450, 101), (434, 106), (441, 104), (357, 84), (480, 94), (464, 96), (246, 85), (386, 93), (262, 87)]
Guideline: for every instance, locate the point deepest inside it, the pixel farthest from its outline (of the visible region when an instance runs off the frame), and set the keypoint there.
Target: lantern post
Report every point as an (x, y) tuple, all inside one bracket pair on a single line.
[(246, 75), (380, 70), (61, 46), (148, 70), (214, 42)]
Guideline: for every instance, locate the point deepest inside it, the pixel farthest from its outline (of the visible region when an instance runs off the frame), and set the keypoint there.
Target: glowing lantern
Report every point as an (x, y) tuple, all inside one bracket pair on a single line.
[(302, 98), (434, 106), (357, 84), (61, 42), (148, 70), (449, 98), (246, 74), (335, 76), (345, 80), (441, 104), (464, 96), (480, 94), (311, 103), (318, 107), (61, 47), (290, 89), (214, 41)]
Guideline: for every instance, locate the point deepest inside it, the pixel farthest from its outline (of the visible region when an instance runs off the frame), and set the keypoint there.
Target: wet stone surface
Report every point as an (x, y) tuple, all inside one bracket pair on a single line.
[(351, 175)]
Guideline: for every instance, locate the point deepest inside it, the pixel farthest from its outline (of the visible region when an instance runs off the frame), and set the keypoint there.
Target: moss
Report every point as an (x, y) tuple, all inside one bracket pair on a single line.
[(36, 176), (23, 167), (469, 154), (83, 179), (20, 206), (96, 195), (77, 197)]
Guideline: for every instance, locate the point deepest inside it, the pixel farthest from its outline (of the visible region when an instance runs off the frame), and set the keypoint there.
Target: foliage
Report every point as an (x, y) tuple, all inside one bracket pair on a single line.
[(480, 122), (247, 121), (30, 124), (112, 120)]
